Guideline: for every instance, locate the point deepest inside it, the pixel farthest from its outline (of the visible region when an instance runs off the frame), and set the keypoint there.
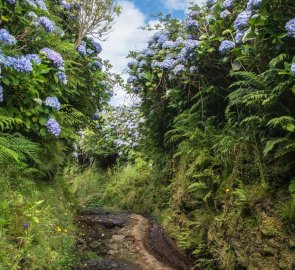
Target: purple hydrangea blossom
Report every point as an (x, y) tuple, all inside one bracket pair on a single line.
[(34, 58), (293, 69), (131, 79), (227, 4), (67, 5), (162, 39), (47, 24), (193, 69), (52, 102), (132, 63), (19, 63), (55, 57), (98, 65), (168, 63), (224, 14), (178, 69), (62, 77), (97, 47), (225, 46), (41, 4), (6, 38), (193, 13), (242, 20), (210, 3), (191, 44), (191, 24), (53, 127), (252, 4), (155, 64), (169, 44), (148, 52), (239, 37), (179, 41), (1, 94), (290, 27), (142, 63), (82, 48)]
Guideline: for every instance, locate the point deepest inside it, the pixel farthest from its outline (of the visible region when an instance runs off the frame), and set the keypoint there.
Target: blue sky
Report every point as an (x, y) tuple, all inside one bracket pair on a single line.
[(127, 36), (153, 7)]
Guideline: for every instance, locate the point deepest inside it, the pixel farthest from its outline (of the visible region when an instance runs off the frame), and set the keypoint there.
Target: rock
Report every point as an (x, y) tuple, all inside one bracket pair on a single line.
[(111, 252), (95, 244), (118, 237)]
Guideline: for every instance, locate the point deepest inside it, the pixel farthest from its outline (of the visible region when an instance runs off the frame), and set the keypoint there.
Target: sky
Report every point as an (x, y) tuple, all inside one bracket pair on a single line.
[(126, 35)]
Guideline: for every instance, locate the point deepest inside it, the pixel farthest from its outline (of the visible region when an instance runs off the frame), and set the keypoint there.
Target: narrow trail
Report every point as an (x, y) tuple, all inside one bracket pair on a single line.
[(124, 241)]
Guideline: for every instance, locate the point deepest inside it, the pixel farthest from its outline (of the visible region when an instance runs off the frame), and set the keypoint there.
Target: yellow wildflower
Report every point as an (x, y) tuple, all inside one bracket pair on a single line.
[(227, 190), (58, 229)]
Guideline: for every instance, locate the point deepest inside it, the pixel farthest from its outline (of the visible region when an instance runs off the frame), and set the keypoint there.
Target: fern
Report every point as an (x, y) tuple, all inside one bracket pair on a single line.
[(7, 122)]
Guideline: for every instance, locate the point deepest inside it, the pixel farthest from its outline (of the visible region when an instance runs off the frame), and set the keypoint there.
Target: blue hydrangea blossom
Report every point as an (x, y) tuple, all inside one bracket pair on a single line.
[(46, 24), (20, 64), (62, 77), (290, 27), (131, 79), (98, 65), (228, 4), (52, 102), (34, 58), (242, 20), (226, 46), (6, 38), (293, 69), (178, 69), (55, 57), (224, 14), (1, 94), (53, 127)]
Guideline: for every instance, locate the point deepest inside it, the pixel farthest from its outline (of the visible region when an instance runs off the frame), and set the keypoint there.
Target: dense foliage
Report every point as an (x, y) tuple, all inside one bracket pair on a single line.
[(51, 86), (217, 94)]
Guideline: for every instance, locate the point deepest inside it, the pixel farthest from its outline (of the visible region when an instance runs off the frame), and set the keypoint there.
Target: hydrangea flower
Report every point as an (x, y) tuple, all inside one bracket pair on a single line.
[(1, 94), (193, 13), (75, 155), (290, 27), (53, 127), (142, 63), (179, 41), (82, 48), (98, 65), (52, 102), (191, 44), (62, 77), (132, 63), (6, 38), (155, 64), (210, 3), (67, 5), (55, 57), (162, 39), (20, 64), (191, 24), (226, 45), (227, 4), (167, 64), (209, 18), (11, 1), (242, 20), (293, 69), (131, 79), (224, 14), (239, 37), (193, 69), (97, 47), (34, 58), (169, 44), (148, 52), (47, 24), (253, 4), (178, 69)]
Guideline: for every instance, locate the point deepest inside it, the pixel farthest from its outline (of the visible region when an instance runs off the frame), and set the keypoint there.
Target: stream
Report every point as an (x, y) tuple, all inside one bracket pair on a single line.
[(125, 241)]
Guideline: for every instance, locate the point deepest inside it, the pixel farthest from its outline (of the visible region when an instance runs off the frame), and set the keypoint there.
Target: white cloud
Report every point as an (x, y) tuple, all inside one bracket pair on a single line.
[(180, 4), (126, 36)]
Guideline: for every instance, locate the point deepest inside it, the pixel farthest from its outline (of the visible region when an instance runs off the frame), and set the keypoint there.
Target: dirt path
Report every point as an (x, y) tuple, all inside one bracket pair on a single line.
[(123, 241)]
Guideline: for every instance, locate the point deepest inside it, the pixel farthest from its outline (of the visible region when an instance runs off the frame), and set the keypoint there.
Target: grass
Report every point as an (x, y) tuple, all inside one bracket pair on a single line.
[(36, 225)]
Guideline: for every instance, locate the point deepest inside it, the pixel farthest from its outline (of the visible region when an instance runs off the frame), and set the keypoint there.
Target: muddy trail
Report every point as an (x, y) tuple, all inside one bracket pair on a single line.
[(124, 241)]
